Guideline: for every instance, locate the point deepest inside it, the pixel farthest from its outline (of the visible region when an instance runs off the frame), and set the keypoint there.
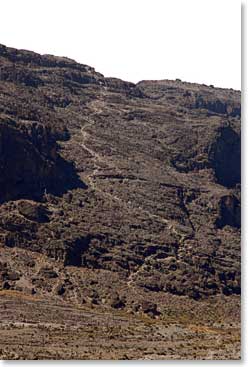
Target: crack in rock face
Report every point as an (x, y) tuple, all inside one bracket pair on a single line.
[(225, 157)]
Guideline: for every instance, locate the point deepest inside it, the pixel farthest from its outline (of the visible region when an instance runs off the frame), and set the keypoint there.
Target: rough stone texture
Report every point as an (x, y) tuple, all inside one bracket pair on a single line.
[(138, 183)]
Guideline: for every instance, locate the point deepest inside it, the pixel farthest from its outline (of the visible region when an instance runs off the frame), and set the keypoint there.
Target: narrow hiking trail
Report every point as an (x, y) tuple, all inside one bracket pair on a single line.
[(90, 177), (84, 139)]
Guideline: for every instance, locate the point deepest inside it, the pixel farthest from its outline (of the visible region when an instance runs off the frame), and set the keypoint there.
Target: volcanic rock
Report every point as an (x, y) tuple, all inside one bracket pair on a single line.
[(141, 181)]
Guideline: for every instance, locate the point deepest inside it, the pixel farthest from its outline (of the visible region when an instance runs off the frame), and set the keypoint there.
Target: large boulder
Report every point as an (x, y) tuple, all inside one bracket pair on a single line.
[(33, 211)]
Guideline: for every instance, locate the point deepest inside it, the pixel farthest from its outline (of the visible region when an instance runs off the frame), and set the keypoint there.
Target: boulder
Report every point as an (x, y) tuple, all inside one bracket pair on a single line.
[(33, 211)]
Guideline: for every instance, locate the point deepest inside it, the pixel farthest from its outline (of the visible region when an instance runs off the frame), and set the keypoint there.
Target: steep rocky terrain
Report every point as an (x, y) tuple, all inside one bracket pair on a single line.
[(118, 196)]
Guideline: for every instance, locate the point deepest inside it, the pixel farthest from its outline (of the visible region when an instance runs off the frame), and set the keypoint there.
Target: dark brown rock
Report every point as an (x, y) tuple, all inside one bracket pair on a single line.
[(60, 289), (47, 273), (117, 302), (33, 211), (139, 180), (150, 308)]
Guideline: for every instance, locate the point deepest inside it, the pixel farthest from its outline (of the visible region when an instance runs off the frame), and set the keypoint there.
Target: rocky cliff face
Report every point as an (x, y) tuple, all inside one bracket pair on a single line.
[(30, 164), (138, 181)]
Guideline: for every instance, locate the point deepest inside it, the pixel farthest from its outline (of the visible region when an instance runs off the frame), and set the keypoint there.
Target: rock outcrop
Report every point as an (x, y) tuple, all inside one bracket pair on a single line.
[(139, 180)]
